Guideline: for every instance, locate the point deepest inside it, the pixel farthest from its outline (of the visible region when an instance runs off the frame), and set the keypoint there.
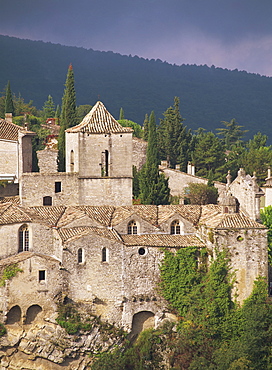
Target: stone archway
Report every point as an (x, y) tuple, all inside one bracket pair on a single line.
[(32, 313), (141, 321), (14, 315)]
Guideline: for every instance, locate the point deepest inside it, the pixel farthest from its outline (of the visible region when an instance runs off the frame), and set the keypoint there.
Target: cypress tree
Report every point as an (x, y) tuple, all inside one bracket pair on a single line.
[(68, 114), (146, 123), (9, 106), (121, 114), (153, 186)]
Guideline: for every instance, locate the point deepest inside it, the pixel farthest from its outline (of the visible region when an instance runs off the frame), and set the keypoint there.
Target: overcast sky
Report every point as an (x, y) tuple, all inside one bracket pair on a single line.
[(225, 33)]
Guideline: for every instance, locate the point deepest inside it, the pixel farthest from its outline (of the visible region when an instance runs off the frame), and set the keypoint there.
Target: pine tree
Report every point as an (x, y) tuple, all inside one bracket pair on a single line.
[(153, 186), (173, 137), (9, 106), (48, 108), (68, 114)]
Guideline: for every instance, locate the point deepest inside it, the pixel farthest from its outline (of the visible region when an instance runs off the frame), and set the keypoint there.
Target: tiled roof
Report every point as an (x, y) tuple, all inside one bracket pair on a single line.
[(69, 215), (10, 213), (98, 121), (67, 234), (162, 240), (15, 200), (23, 256), (146, 212), (189, 212), (50, 215), (232, 221), (101, 214), (9, 131)]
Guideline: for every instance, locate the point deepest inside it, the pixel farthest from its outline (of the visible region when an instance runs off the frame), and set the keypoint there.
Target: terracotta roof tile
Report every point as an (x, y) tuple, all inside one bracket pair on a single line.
[(10, 131), (232, 221), (23, 256), (47, 214), (70, 214), (10, 213), (68, 234), (146, 212), (162, 240), (98, 121), (189, 212), (101, 214), (15, 200)]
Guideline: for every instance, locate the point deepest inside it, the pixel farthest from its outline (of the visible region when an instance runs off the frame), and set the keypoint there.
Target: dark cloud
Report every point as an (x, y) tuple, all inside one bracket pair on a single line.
[(231, 34)]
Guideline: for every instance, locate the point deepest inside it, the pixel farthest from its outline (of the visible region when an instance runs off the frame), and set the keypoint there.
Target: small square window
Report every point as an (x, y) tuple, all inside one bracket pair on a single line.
[(47, 201), (57, 187), (41, 275)]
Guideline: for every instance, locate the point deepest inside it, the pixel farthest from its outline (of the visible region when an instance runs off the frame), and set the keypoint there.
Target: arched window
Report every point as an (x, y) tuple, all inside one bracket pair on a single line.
[(80, 255), (104, 254), (23, 238), (176, 227), (132, 227)]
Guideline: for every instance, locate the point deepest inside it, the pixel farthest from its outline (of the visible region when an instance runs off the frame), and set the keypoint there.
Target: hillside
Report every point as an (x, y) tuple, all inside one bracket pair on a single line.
[(208, 95)]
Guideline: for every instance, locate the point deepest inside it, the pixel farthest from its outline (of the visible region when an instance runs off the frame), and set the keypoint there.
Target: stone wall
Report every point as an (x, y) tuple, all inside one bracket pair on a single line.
[(47, 160), (139, 147), (35, 186), (9, 158), (178, 181), (248, 255)]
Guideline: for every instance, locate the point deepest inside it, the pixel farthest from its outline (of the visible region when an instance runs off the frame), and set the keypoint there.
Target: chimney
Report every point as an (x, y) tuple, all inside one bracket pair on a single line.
[(177, 167), (8, 117), (193, 170)]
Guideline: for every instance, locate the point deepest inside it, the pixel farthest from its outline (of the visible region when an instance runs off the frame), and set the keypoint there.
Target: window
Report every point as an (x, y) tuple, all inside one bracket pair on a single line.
[(57, 187), (23, 238), (104, 255), (132, 227), (72, 161), (176, 227), (47, 201), (41, 275), (80, 255), (142, 251)]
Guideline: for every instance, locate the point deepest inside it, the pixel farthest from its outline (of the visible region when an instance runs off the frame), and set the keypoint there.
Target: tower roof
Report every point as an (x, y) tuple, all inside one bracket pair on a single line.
[(99, 121)]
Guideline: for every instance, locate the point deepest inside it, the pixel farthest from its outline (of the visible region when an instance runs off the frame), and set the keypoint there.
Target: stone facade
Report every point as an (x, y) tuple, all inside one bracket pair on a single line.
[(178, 181), (76, 237), (98, 166), (15, 150)]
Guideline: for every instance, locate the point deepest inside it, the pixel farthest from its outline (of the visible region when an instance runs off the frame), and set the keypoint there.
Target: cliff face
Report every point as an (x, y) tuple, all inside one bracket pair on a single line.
[(44, 345)]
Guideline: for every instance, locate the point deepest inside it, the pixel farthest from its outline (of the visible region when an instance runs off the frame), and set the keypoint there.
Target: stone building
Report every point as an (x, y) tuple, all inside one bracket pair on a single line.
[(15, 153), (75, 234)]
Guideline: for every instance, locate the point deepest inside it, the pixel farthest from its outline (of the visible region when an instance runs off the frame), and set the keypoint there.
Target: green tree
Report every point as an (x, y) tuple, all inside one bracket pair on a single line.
[(48, 110), (82, 111), (9, 106), (153, 186), (201, 193), (121, 114), (68, 114), (174, 139), (58, 113), (266, 218), (145, 126), (208, 155), (231, 133), (137, 129)]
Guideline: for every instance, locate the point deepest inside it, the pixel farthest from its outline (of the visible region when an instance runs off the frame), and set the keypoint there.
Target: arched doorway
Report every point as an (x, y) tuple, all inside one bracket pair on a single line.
[(141, 321), (32, 313), (14, 315)]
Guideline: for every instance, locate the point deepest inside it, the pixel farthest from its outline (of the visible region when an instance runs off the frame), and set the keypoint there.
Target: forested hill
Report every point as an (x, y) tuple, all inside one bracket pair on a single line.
[(208, 95)]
